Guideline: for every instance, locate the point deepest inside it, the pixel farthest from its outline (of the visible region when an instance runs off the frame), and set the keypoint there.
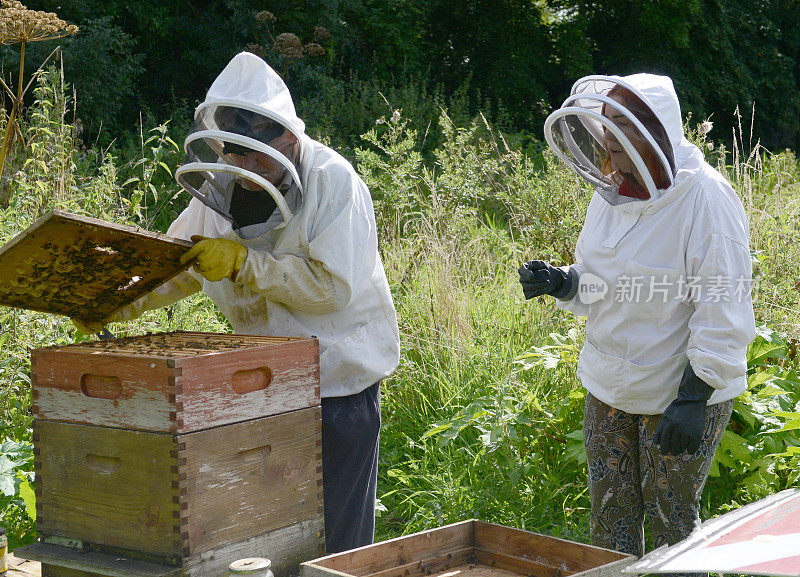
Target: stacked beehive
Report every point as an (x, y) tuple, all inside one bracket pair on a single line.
[(176, 454)]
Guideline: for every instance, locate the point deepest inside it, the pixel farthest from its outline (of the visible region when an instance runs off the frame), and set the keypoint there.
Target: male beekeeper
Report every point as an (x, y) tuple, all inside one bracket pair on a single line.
[(286, 245)]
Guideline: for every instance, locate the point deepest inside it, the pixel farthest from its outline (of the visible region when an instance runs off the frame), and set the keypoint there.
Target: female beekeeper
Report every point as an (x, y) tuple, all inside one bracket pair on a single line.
[(287, 245), (662, 275)]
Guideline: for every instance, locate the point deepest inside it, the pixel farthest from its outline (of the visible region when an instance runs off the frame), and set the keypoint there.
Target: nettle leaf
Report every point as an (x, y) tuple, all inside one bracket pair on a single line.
[(762, 349), (759, 477), (8, 476), (28, 496), (575, 450), (789, 415), (723, 458), (790, 381), (789, 452), (766, 333), (771, 390), (759, 378), (744, 410), (772, 444), (737, 446), (790, 426), (491, 437)]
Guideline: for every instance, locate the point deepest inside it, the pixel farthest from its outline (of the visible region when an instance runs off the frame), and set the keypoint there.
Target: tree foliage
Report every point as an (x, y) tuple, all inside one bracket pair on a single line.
[(514, 60)]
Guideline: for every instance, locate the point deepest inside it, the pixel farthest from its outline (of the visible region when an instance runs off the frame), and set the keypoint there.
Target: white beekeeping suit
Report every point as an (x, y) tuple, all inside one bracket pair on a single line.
[(673, 259), (312, 265)]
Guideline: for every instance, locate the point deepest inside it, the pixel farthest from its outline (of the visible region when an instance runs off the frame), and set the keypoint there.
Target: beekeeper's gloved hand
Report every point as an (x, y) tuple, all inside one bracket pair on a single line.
[(541, 278), (88, 327), (681, 426), (216, 258)]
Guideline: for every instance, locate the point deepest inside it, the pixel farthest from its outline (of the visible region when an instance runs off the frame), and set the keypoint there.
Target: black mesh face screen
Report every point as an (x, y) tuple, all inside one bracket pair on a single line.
[(250, 206), (248, 123)]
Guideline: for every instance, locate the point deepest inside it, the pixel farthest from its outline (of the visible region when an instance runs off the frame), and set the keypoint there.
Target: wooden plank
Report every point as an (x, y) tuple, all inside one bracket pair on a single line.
[(567, 555), (56, 571), (399, 551), (177, 344), (609, 569), (60, 560), (104, 485), (84, 267), (475, 570), (286, 548), (430, 566), (311, 569), (249, 478), (76, 386), (519, 565), (234, 386), (19, 567)]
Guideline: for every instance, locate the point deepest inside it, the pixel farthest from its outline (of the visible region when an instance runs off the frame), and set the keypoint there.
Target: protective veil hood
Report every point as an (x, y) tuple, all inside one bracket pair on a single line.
[(595, 113), (248, 82), (237, 148)]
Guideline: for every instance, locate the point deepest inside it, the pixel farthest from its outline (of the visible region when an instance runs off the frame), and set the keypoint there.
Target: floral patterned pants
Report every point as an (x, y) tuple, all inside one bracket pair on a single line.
[(630, 477)]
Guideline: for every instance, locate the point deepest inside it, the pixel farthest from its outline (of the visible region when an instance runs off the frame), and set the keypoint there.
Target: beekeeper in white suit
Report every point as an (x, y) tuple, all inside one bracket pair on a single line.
[(286, 245), (662, 275)]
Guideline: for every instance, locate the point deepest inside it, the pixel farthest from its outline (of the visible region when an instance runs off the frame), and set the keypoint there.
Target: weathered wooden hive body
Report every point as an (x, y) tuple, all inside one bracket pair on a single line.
[(176, 454)]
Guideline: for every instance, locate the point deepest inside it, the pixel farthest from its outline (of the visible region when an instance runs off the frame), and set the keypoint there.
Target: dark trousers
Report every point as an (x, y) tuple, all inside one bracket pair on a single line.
[(630, 478), (350, 436)]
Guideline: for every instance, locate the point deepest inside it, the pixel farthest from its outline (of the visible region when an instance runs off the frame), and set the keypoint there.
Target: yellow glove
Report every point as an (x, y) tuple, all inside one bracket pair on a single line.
[(216, 258), (88, 327)]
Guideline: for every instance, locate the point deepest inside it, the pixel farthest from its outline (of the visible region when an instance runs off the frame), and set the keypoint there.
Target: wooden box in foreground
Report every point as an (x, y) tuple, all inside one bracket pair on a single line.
[(471, 549), (175, 382), (185, 500), (177, 495)]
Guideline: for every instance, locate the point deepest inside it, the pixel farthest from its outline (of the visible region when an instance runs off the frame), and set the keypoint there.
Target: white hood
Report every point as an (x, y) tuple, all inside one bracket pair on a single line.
[(656, 91), (248, 82), (247, 108), (578, 132)]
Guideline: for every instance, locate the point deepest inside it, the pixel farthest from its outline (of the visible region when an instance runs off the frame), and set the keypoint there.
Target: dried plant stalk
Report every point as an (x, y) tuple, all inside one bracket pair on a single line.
[(19, 25)]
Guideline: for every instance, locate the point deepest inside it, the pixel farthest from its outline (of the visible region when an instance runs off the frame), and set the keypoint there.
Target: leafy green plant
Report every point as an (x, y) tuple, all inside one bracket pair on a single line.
[(391, 167), (760, 452), (19, 25), (150, 195), (17, 499)]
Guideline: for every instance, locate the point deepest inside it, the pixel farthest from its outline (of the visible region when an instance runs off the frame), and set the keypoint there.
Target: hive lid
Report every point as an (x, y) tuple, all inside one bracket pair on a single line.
[(762, 538), (84, 267)]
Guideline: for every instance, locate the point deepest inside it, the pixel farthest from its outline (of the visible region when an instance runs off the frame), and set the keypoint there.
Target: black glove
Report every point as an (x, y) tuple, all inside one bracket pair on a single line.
[(541, 278), (681, 426)]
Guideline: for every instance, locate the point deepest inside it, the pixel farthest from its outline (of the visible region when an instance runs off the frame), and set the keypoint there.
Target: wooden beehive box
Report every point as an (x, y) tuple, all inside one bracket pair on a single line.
[(196, 501), (471, 549), (84, 267), (175, 382)]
